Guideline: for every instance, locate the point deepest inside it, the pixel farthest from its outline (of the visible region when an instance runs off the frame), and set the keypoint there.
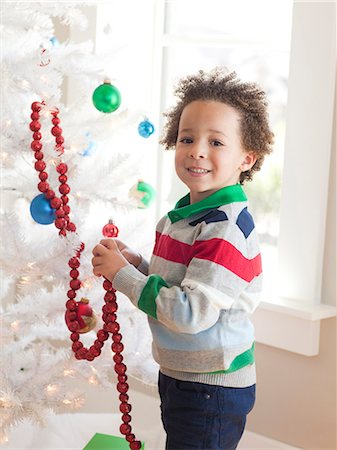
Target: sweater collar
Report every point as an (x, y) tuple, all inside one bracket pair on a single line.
[(224, 196)]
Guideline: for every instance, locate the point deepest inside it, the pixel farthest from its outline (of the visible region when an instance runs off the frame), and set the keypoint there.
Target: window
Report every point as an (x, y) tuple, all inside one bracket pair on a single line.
[(252, 38)]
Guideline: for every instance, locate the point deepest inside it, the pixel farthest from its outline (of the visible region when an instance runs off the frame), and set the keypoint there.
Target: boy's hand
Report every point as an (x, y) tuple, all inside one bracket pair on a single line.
[(130, 255), (108, 259)]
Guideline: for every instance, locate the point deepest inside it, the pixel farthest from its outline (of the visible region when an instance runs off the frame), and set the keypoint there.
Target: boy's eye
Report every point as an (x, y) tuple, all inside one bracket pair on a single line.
[(216, 143), (186, 140)]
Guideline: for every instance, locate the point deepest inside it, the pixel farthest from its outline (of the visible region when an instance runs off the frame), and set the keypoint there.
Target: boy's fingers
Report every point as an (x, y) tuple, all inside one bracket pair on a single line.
[(109, 243)]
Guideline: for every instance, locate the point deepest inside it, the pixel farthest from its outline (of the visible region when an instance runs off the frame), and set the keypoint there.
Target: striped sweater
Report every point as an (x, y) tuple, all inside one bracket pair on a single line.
[(201, 286)]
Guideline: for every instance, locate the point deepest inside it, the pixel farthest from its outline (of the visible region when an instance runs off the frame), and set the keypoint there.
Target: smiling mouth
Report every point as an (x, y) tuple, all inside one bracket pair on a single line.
[(198, 171)]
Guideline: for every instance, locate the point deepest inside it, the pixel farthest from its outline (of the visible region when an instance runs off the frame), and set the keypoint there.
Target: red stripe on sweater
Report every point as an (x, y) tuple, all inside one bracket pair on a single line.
[(216, 250)]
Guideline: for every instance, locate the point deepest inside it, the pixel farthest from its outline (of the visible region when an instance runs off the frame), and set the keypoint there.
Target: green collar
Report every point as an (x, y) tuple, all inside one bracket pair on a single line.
[(224, 196)]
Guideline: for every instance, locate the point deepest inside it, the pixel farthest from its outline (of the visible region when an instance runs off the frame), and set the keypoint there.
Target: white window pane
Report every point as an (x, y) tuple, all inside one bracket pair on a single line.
[(258, 19), (270, 70)]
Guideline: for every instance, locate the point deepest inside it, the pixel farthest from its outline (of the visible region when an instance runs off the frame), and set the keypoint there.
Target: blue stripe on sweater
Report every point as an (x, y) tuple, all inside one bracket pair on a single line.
[(225, 333), (213, 216), (245, 222)]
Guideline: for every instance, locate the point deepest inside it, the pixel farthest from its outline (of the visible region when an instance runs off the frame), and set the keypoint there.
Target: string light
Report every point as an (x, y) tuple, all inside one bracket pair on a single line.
[(25, 84), (51, 388), (93, 380), (15, 325), (4, 156)]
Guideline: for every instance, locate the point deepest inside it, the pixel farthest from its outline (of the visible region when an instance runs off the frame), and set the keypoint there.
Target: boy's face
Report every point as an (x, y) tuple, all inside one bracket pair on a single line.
[(209, 154)]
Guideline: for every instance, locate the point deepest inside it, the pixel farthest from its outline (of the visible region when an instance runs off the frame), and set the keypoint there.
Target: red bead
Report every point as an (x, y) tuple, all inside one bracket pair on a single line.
[(36, 146), (126, 418), (56, 131), (66, 209), (110, 308), (38, 155), (62, 168), (124, 408), (74, 263), (95, 351), (135, 445), (55, 121), (77, 346), (59, 140), (102, 335), (62, 232), (114, 327), (74, 336), (50, 194), (74, 325), (43, 176), (120, 369), (64, 189), (35, 125), (74, 273), (110, 230), (75, 284), (122, 387), (122, 378), (65, 199), (82, 353), (110, 296), (124, 398), (71, 315), (40, 166), (71, 294), (37, 135), (36, 106), (107, 285), (125, 429), (55, 203), (60, 223), (63, 179), (130, 437), (59, 212), (110, 327), (71, 305), (118, 358), (35, 115), (110, 318), (117, 347), (71, 227), (117, 337), (43, 186), (98, 344)]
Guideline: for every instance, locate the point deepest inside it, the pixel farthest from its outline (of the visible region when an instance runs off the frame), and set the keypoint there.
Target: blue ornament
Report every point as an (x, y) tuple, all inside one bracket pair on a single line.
[(145, 128), (53, 40), (91, 148), (41, 211)]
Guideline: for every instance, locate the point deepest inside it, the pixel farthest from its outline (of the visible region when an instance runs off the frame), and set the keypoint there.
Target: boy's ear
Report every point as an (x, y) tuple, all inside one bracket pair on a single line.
[(248, 161)]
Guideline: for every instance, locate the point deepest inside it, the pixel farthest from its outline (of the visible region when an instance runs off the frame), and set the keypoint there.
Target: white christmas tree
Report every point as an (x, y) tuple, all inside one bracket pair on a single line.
[(36, 356)]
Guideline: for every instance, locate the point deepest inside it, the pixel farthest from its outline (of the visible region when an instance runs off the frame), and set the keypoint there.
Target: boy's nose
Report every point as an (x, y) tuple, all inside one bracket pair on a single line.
[(197, 152)]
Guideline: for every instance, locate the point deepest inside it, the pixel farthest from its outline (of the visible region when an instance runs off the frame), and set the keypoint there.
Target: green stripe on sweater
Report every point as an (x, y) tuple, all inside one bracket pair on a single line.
[(244, 359), (147, 299)]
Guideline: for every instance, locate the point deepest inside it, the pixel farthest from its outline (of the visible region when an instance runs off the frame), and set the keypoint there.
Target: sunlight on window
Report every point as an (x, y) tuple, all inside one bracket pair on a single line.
[(252, 39)]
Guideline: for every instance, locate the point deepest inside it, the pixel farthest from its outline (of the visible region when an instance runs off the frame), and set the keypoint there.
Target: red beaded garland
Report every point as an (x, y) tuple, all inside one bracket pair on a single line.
[(62, 222)]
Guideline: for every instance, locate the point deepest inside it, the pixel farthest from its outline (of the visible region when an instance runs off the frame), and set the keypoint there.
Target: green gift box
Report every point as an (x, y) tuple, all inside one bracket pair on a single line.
[(107, 442)]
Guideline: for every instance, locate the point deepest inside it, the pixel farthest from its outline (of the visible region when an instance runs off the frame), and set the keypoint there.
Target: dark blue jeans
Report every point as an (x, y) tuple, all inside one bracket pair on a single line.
[(202, 416)]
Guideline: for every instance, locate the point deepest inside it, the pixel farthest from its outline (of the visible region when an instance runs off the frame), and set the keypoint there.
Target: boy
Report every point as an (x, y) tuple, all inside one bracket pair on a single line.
[(205, 274)]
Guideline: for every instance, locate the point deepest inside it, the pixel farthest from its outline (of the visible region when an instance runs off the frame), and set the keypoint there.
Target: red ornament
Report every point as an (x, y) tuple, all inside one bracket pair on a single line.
[(84, 316), (110, 230)]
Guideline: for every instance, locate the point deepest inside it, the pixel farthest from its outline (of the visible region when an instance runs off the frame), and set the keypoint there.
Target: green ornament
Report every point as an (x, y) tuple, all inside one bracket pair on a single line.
[(144, 193), (106, 98)]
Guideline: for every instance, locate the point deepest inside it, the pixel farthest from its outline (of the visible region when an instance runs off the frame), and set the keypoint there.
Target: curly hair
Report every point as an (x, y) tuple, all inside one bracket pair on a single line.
[(247, 98)]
